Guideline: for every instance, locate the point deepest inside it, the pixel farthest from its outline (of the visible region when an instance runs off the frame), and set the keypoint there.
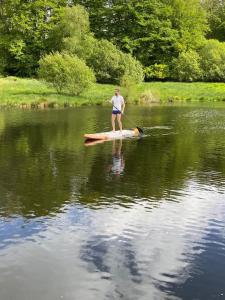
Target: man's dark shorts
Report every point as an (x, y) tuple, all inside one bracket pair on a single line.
[(116, 112)]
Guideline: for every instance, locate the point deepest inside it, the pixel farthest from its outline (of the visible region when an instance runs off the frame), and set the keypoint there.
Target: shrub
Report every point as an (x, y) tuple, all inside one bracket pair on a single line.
[(105, 61), (129, 87), (73, 23), (213, 60), (83, 46), (157, 71), (110, 64), (131, 68), (66, 73), (72, 35), (187, 67)]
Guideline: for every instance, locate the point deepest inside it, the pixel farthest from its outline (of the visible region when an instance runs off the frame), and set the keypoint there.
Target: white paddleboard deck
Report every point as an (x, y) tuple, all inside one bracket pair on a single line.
[(112, 135)]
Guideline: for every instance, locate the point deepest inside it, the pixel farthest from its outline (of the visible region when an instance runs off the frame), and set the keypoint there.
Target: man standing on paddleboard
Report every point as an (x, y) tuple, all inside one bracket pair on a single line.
[(118, 109)]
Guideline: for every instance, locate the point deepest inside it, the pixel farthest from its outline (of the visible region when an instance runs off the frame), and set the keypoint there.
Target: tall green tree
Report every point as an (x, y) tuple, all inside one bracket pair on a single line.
[(139, 27), (24, 30), (213, 60), (152, 30), (215, 10), (71, 30), (189, 20), (73, 35), (187, 67)]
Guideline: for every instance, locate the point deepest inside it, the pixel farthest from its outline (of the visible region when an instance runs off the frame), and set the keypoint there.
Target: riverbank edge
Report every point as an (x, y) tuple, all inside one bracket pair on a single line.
[(33, 94)]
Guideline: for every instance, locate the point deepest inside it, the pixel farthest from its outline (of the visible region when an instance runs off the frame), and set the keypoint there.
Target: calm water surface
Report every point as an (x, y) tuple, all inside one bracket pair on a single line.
[(132, 219)]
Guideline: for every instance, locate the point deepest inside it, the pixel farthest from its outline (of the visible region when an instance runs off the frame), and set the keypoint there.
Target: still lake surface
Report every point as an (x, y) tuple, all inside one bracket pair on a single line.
[(132, 219)]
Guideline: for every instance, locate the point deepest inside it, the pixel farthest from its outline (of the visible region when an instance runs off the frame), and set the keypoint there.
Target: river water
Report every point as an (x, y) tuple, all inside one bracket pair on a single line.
[(129, 219)]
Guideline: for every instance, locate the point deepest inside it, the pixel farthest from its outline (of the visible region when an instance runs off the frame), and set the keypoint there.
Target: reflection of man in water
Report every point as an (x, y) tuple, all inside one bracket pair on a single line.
[(118, 163)]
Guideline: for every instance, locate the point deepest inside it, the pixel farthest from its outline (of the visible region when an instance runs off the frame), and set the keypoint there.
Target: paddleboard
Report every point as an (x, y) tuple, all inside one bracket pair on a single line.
[(112, 135)]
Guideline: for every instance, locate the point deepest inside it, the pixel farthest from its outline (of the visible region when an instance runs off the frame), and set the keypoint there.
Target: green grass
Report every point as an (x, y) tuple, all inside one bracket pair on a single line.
[(196, 91), (31, 92), (17, 92)]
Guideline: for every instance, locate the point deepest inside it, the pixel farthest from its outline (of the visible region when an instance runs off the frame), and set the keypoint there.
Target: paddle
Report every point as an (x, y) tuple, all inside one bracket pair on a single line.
[(141, 131)]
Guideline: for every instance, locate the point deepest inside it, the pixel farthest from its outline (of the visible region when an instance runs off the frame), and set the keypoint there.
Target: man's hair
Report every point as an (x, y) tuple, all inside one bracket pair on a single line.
[(117, 90)]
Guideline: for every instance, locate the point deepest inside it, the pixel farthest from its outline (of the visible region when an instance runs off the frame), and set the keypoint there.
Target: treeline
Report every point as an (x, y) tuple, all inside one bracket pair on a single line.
[(113, 41)]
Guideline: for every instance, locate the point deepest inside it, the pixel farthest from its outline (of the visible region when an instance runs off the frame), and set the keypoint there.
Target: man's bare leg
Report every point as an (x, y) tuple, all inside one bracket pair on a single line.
[(120, 122), (113, 122)]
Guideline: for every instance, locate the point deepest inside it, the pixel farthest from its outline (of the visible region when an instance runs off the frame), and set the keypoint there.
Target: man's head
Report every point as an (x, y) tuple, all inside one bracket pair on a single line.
[(117, 92)]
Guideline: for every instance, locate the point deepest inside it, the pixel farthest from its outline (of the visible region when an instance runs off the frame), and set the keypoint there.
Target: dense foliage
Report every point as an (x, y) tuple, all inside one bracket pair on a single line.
[(24, 31), (168, 37), (66, 73), (108, 62), (187, 67), (111, 64), (215, 10), (213, 60), (152, 30)]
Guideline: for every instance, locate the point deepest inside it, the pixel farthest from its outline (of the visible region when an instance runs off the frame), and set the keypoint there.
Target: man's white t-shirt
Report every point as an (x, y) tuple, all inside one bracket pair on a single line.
[(117, 102)]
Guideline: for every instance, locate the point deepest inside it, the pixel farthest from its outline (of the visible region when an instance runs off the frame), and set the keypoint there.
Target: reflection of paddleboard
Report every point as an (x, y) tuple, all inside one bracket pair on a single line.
[(89, 142), (111, 135)]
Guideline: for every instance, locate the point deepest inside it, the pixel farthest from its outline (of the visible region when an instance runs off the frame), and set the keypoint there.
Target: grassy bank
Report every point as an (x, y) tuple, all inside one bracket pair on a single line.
[(31, 92), (181, 91), (17, 92)]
